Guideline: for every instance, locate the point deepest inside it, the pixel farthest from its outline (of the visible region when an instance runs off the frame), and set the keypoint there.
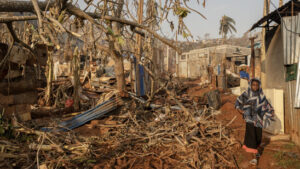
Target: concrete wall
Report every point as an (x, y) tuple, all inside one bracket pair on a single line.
[(193, 65), (274, 63)]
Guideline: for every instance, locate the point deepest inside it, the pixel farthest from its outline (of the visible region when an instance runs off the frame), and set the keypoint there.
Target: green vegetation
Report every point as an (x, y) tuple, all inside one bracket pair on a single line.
[(289, 146), (226, 26), (284, 161)]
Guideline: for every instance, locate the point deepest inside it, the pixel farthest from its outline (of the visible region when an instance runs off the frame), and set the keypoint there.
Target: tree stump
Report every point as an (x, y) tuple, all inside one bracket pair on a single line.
[(214, 99)]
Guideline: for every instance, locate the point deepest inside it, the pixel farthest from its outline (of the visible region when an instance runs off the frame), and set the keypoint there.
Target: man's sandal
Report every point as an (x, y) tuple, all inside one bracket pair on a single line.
[(253, 162)]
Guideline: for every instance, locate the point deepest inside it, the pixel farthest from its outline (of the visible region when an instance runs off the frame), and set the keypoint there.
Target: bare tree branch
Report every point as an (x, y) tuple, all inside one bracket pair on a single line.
[(184, 1), (16, 39)]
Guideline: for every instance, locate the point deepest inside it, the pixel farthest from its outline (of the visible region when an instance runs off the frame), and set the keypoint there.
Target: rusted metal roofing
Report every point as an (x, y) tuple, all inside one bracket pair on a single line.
[(290, 8)]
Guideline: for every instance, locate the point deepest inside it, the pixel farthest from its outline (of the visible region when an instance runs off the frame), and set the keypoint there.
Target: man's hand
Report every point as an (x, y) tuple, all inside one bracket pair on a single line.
[(273, 114), (240, 111)]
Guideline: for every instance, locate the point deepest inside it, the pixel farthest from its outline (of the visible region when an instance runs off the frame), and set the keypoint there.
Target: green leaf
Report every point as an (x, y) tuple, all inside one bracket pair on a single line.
[(181, 12), (61, 16), (2, 131), (121, 40), (91, 161), (110, 31), (185, 35)]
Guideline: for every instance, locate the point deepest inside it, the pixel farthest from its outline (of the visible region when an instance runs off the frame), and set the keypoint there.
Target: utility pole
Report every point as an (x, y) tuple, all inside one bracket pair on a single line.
[(252, 57), (263, 45), (139, 49)]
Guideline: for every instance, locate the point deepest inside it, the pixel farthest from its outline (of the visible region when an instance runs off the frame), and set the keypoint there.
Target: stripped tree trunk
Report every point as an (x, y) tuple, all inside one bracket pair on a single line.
[(115, 47), (119, 71), (76, 79), (139, 49), (49, 78)]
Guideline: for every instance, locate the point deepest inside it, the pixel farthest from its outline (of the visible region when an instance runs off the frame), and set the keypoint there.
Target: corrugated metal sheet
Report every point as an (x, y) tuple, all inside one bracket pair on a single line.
[(291, 41), (297, 95)]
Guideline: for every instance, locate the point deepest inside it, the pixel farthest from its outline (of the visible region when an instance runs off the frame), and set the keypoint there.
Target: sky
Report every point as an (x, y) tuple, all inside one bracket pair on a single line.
[(244, 12)]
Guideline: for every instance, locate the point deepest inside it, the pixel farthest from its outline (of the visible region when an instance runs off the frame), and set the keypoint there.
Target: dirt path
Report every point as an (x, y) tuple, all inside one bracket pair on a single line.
[(276, 155)]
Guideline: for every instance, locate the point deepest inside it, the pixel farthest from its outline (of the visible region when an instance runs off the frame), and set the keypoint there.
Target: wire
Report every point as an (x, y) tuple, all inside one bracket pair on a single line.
[(283, 20)]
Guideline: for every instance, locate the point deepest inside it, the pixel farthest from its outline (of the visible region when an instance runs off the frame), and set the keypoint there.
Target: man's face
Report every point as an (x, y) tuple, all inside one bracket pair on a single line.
[(255, 86)]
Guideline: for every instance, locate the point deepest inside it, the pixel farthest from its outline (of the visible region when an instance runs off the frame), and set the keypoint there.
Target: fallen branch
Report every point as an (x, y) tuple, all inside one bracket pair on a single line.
[(16, 39), (17, 18), (8, 155), (24, 6)]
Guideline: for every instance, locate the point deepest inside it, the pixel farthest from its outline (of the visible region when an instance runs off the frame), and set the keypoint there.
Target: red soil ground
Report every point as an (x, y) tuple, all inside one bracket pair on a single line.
[(273, 156)]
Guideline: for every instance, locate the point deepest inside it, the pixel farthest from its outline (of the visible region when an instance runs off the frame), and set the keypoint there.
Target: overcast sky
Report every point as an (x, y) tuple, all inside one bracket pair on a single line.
[(244, 12)]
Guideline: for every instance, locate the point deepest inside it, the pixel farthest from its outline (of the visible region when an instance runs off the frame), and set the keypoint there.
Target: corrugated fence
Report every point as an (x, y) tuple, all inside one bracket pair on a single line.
[(291, 41)]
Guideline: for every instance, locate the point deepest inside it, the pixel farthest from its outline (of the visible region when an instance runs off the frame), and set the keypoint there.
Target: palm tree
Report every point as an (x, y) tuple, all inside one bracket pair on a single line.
[(226, 25)]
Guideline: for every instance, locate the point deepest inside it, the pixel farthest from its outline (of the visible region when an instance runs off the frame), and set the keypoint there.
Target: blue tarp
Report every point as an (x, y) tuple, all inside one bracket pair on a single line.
[(142, 75), (85, 117), (244, 74)]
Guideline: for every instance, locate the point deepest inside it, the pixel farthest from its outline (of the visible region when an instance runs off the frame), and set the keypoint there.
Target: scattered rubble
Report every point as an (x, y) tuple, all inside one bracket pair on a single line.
[(131, 137)]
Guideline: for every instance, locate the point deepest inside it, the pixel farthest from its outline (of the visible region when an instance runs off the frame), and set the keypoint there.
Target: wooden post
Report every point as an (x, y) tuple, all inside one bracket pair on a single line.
[(263, 46), (252, 57), (139, 49)]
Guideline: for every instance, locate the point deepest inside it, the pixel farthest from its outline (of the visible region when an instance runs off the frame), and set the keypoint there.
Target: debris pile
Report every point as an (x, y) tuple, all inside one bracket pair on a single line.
[(169, 134), (20, 80)]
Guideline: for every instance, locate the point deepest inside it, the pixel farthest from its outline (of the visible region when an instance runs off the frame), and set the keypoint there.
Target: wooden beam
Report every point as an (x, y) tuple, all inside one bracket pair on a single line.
[(17, 18), (24, 6)]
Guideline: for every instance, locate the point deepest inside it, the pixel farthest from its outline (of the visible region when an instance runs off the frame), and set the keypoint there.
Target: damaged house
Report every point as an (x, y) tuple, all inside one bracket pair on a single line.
[(281, 66), (193, 64)]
